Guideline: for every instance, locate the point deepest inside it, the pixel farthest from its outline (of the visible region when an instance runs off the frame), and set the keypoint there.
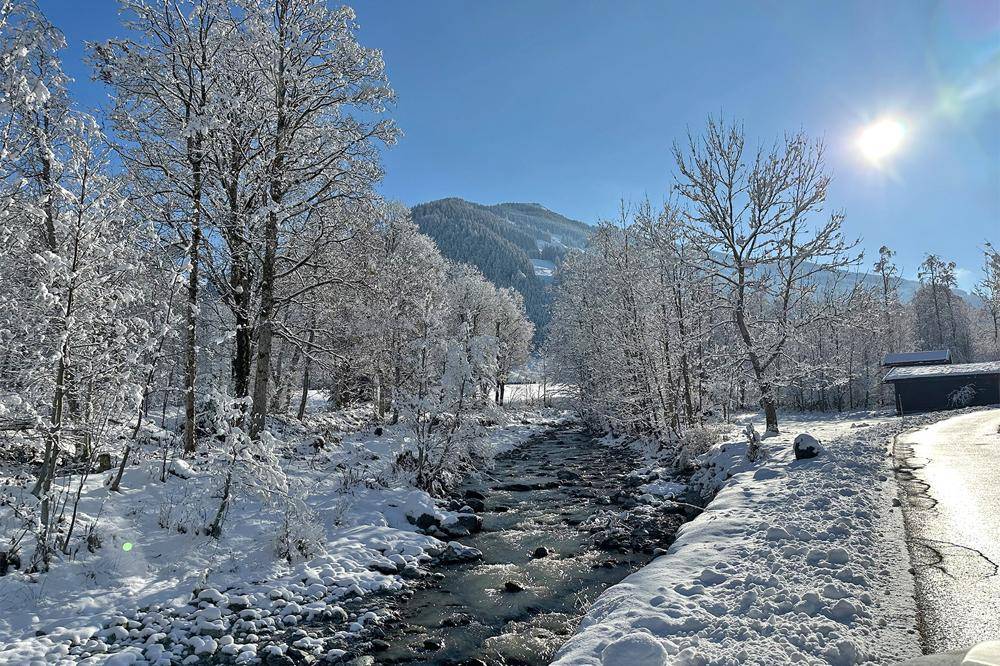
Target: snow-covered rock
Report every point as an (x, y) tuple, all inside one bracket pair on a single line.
[(806, 446)]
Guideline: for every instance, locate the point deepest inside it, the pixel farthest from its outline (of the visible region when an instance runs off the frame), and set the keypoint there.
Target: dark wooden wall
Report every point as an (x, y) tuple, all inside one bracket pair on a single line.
[(927, 394)]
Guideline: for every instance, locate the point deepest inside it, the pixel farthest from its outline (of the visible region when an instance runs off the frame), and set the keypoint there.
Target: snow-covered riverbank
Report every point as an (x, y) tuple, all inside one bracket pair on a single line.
[(792, 562), (201, 596)]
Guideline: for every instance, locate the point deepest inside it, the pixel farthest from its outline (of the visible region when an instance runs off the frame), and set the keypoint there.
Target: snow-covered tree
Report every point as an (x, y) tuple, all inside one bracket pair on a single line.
[(988, 291), (319, 148), (514, 332), (164, 83), (941, 319), (635, 329), (750, 218), (75, 313)]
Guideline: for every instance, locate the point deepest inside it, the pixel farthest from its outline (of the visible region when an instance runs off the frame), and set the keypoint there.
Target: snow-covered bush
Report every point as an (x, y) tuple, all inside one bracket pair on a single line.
[(692, 444), (441, 415), (245, 467), (300, 535), (753, 442), (962, 397)]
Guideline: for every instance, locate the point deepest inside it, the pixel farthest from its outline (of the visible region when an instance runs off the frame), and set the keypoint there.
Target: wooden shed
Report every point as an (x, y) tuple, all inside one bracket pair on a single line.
[(926, 388)]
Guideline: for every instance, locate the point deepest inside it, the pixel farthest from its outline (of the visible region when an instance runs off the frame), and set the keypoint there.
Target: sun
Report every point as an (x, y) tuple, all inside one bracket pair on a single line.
[(881, 139)]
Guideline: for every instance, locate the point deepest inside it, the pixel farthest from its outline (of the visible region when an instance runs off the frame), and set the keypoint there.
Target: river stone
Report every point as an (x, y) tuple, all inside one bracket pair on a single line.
[(433, 643), (515, 487), (103, 462), (362, 661), (456, 552), (541, 552), (425, 521), (513, 586), (806, 446), (380, 645), (470, 521), (475, 505), (474, 494)]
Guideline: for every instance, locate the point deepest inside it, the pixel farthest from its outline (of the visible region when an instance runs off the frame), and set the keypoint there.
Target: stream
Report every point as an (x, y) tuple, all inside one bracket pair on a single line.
[(563, 491)]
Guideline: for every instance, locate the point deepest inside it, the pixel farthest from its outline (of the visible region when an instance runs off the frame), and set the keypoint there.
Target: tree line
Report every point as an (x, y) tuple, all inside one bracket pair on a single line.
[(740, 291)]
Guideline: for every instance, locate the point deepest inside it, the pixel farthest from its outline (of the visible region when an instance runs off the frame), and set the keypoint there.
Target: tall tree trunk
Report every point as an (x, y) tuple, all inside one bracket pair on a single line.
[(305, 390), (767, 401), (265, 320), (194, 252), (262, 373), (43, 484), (685, 375), (239, 283)]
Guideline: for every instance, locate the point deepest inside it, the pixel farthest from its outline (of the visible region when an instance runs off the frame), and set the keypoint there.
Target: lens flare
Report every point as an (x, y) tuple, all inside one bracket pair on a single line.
[(127, 546), (881, 139)]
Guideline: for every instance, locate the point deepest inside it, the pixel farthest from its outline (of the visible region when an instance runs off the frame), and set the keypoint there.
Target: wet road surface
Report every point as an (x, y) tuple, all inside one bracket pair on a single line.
[(951, 483)]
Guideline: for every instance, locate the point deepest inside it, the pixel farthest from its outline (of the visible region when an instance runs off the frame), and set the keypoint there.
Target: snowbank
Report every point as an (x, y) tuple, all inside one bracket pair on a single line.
[(792, 562)]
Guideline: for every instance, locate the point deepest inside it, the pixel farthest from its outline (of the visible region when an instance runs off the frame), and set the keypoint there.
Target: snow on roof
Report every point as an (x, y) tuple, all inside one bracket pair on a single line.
[(908, 358), (958, 369)]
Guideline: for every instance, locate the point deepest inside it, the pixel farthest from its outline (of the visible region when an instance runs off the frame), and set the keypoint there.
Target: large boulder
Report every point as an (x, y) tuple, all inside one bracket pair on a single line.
[(806, 446), (476, 505)]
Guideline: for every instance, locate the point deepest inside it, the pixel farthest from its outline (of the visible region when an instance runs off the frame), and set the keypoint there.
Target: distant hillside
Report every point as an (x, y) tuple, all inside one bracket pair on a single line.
[(514, 244), (520, 244)]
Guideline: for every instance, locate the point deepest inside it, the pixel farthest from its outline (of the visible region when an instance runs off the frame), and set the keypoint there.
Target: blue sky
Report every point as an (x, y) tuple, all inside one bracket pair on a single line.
[(575, 104)]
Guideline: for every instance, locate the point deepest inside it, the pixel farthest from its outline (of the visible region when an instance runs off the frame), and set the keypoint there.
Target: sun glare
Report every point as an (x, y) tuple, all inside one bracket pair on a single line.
[(881, 139)]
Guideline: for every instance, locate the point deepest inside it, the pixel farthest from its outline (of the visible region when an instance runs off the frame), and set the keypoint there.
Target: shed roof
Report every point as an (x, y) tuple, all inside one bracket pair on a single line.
[(955, 370), (917, 358)]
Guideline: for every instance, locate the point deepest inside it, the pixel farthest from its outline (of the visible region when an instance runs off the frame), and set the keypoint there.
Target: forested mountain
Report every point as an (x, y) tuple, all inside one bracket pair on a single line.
[(514, 244)]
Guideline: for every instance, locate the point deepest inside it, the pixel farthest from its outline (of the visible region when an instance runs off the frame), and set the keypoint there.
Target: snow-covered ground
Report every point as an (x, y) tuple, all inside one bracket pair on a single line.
[(527, 394), (544, 268), (227, 596), (792, 562)]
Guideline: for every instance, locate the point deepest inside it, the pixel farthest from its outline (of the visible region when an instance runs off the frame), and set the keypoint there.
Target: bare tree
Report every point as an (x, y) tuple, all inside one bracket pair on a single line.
[(750, 220)]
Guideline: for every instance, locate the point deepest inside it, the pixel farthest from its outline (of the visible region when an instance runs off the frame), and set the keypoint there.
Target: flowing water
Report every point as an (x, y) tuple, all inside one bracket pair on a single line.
[(542, 495)]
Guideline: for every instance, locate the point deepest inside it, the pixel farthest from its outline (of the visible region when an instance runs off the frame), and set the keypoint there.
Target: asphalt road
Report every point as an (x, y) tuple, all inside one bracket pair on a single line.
[(951, 482)]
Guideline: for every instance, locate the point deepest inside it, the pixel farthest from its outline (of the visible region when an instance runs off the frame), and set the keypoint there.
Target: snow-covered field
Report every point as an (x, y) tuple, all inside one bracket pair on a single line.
[(792, 562), (227, 596), (544, 268)]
